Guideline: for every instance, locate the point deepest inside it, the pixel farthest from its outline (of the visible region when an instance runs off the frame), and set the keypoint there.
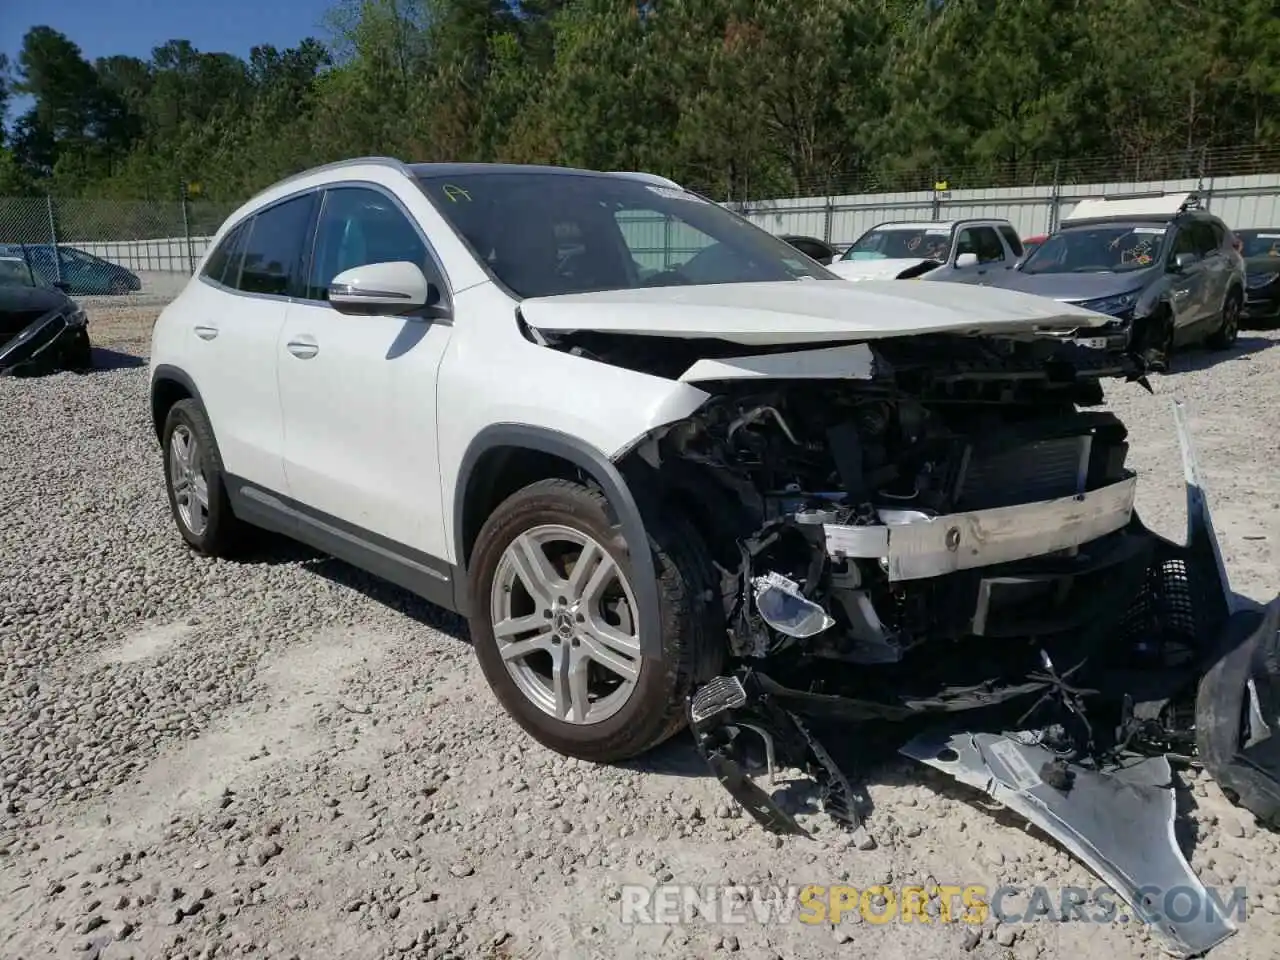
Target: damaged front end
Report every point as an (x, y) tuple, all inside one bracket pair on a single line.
[(939, 552), (36, 342)]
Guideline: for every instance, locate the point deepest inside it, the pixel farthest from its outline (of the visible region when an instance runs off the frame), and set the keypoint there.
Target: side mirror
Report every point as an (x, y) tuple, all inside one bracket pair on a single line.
[(1184, 260), (62, 285), (966, 260), (392, 289)]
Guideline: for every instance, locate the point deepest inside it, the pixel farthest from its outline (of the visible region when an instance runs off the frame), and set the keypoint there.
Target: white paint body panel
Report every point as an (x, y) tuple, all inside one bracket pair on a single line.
[(360, 421), (228, 350), (813, 311)]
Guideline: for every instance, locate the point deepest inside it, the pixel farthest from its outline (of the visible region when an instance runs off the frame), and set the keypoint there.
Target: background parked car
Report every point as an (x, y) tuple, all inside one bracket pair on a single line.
[(1167, 270), (957, 251), (41, 328), (80, 273), (1261, 252), (812, 247)]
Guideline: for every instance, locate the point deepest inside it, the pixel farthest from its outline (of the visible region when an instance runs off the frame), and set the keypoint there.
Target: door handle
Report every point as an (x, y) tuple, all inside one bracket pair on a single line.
[(205, 332), (303, 349)]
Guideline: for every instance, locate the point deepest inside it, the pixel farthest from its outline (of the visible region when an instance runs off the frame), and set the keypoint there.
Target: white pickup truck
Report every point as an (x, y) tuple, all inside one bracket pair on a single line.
[(958, 251)]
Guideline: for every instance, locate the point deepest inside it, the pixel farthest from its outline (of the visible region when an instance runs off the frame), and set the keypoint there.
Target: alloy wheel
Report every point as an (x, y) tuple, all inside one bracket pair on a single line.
[(186, 476), (564, 620)]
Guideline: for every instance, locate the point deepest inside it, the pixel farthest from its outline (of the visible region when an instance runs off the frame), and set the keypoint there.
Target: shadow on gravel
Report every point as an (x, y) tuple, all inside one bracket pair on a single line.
[(104, 358), (271, 550), (389, 595), (1203, 359)]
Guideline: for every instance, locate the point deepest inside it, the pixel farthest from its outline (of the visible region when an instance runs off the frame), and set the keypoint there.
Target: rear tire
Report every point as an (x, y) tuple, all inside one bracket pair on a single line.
[(1229, 329), (195, 483), (637, 708)]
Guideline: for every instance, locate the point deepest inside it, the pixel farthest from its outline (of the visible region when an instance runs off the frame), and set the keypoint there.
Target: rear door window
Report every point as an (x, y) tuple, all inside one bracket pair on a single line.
[(273, 250)]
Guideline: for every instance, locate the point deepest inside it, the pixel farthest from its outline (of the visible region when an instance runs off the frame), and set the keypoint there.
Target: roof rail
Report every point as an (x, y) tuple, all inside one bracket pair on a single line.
[(389, 162)]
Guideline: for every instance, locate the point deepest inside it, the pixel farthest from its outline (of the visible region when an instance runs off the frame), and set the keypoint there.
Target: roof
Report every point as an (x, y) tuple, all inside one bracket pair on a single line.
[(1149, 207)]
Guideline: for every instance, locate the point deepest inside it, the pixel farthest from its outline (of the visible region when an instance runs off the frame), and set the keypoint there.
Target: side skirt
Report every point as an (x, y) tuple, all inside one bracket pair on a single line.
[(428, 577)]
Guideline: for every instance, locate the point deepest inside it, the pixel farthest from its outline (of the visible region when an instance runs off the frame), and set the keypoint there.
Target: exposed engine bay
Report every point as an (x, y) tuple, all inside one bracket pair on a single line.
[(944, 556)]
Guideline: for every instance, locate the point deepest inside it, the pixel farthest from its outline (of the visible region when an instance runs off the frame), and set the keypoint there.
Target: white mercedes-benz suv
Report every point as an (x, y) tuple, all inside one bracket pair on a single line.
[(672, 470)]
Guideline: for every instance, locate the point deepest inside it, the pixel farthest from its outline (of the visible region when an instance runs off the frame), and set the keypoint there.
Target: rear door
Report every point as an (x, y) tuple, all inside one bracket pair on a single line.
[(237, 316)]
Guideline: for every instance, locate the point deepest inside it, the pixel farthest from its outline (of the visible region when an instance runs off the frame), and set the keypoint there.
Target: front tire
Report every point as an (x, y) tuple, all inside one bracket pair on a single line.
[(1225, 336), (556, 627), (194, 479)]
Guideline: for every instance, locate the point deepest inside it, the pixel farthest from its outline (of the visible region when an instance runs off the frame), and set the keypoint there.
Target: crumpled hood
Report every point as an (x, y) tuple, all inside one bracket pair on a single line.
[(874, 269), (1070, 287), (804, 311)]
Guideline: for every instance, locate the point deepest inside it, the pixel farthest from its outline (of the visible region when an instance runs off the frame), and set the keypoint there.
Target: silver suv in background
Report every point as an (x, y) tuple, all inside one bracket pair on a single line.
[(958, 251), (1164, 268)]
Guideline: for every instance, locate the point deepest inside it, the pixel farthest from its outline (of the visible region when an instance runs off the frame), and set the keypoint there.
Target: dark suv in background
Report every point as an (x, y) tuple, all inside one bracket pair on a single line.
[(1164, 268), (1261, 251)]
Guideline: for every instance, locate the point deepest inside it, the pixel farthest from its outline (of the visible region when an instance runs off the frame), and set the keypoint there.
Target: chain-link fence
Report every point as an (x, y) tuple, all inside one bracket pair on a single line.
[(90, 247)]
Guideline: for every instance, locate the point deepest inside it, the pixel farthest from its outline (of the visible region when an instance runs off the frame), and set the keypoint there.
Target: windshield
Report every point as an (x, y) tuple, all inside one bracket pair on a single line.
[(901, 243), (544, 234), (14, 272), (1259, 243), (1112, 248)]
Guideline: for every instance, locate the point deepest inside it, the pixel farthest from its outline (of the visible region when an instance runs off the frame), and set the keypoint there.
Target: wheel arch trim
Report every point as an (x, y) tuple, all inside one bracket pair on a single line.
[(612, 483), (165, 371)]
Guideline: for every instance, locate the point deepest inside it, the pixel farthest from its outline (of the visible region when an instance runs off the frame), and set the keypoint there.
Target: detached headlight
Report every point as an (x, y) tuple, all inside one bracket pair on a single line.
[(77, 318), (1114, 306), (1256, 281)]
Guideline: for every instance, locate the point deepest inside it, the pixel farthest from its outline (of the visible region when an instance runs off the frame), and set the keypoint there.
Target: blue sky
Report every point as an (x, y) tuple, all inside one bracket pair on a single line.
[(104, 27)]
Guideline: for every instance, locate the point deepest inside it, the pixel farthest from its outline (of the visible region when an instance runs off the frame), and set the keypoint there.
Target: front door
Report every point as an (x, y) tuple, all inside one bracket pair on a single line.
[(358, 392)]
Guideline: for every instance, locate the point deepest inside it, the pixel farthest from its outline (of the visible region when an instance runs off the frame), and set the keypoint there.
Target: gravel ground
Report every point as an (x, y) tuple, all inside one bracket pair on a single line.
[(284, 758)]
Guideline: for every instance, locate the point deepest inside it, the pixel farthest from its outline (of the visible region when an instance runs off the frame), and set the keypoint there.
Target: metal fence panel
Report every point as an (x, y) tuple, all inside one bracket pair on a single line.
[(1246, 201)]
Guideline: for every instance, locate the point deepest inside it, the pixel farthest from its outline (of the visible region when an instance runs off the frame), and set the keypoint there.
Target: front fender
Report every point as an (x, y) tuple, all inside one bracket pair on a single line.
[(616, 490)]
